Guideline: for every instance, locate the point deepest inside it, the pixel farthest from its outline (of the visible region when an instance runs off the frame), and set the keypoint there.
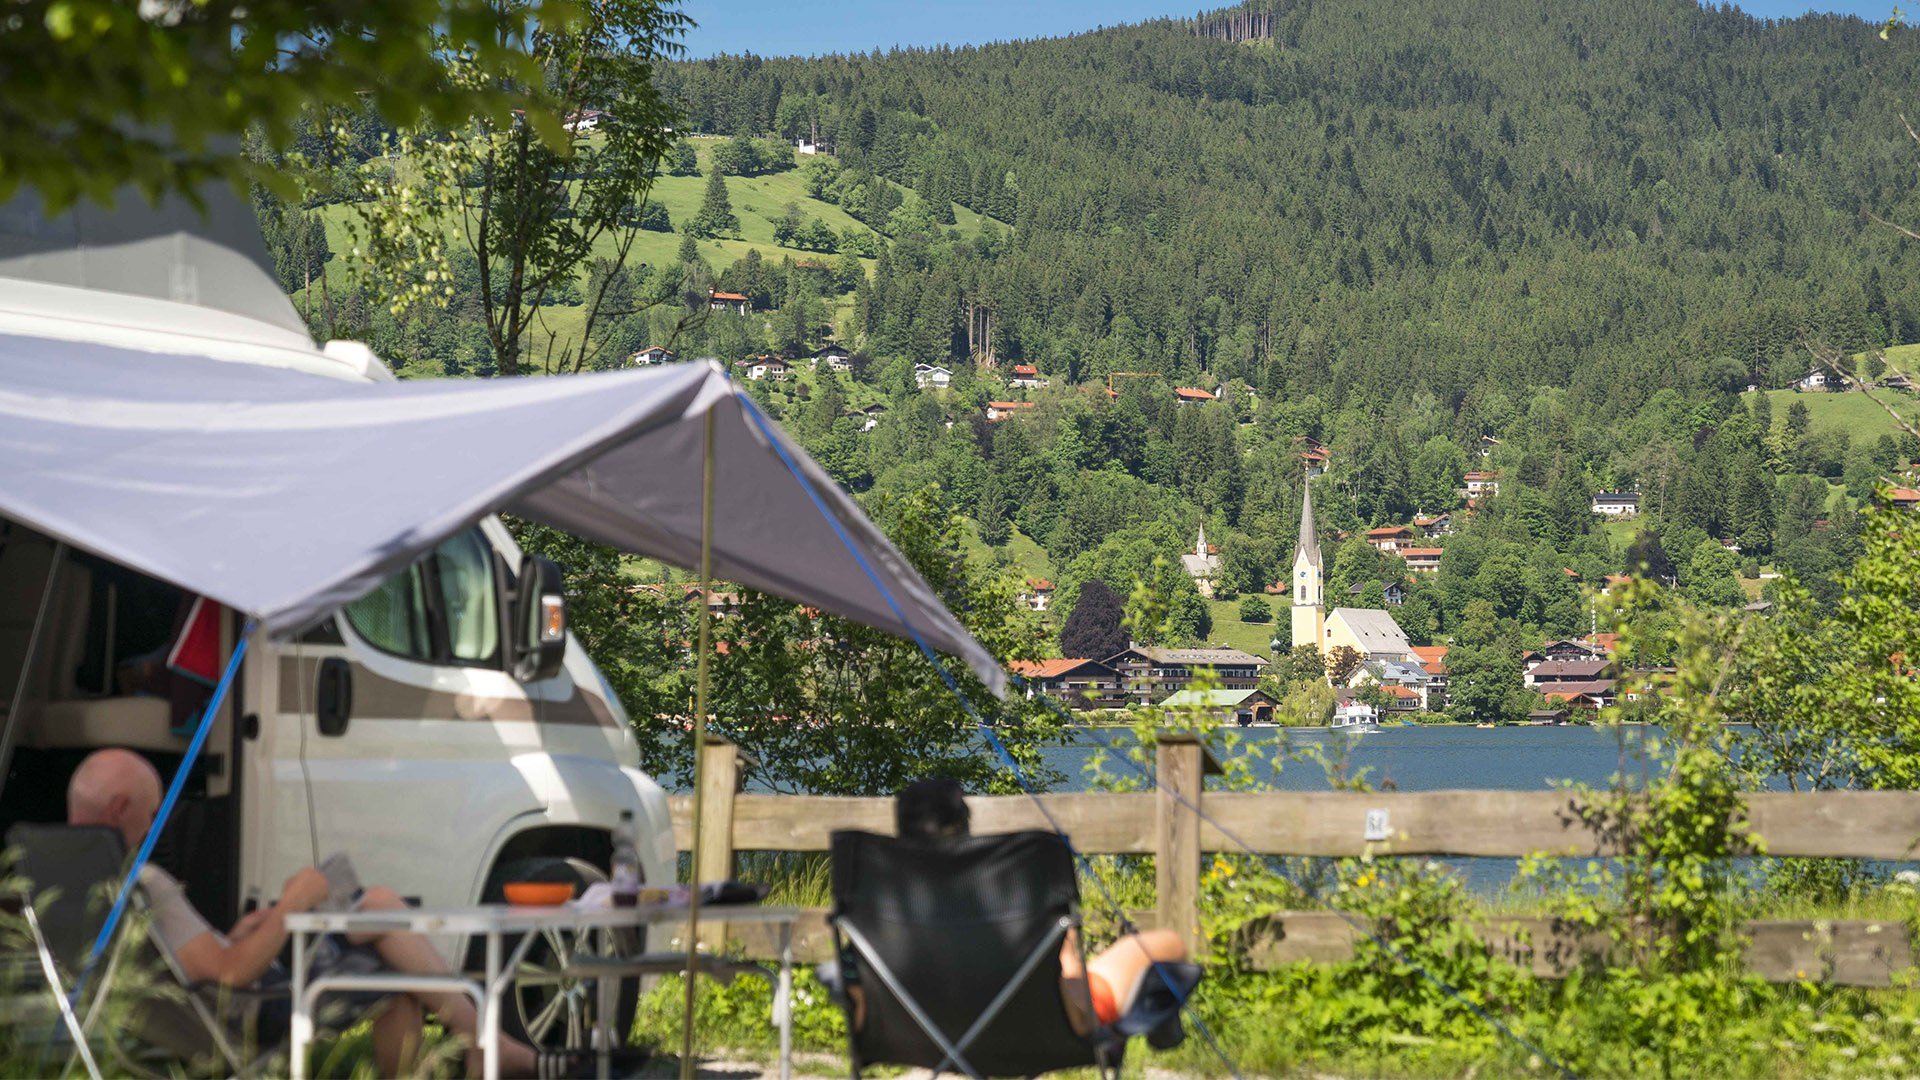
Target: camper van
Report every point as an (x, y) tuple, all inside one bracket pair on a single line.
[(407, 728)]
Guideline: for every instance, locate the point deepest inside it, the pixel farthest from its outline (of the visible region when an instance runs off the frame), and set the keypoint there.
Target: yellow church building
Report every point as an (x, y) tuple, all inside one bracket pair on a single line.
[(1372, 634)]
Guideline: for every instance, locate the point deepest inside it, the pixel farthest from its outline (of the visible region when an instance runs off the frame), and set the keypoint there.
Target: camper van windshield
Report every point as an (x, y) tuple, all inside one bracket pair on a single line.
[(443, 608)]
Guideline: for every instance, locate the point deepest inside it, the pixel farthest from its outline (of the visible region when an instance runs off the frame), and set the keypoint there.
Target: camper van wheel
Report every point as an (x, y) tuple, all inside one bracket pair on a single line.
[(545, 1008)]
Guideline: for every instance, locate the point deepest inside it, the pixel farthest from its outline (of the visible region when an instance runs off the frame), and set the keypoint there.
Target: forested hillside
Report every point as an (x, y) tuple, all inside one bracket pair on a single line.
[(1581, 228)]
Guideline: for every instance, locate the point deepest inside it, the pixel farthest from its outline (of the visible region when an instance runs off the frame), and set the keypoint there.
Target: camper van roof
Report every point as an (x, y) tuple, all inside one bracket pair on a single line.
[(161, 278)]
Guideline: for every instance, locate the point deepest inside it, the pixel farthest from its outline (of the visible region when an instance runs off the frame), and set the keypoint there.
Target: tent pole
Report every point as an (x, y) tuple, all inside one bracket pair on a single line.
[(17, 705), (699, 741)]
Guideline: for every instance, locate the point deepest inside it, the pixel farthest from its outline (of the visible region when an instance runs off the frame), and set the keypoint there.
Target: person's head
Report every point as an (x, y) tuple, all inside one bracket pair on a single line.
[(931, 810), (115, 788)]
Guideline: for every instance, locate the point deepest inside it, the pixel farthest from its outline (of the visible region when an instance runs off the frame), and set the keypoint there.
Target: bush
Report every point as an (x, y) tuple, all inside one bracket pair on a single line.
[(653, 217), (1254, 609)]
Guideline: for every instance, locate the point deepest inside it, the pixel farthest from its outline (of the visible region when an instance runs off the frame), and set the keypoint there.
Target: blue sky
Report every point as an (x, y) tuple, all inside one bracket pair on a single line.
[(784, 27)]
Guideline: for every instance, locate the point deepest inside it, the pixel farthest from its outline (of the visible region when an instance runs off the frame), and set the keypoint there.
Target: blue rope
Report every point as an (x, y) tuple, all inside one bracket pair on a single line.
[(166, 809), (1313, 894), (986, 729)]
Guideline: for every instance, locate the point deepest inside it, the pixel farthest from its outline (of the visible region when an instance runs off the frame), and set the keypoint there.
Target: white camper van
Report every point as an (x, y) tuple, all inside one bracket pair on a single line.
[(414, 728)]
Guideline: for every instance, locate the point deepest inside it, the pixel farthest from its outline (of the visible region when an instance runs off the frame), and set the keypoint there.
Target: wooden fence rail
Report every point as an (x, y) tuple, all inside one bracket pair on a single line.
[(1503, 824)]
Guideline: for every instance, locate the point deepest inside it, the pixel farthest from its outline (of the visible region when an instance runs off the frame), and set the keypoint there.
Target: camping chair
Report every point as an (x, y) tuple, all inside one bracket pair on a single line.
[(68, 863), (955, 946)]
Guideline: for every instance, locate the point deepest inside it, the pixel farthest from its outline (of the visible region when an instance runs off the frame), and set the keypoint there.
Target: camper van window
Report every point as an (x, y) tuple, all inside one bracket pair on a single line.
[(393, 617), (464, 567)]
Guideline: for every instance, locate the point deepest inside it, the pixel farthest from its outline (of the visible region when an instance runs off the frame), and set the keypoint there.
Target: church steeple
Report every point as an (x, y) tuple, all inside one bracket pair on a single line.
[(1309, 578)]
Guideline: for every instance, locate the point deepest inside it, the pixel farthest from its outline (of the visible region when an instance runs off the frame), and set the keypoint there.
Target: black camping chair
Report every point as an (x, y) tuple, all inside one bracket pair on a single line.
[(67, 865), (955, 946)]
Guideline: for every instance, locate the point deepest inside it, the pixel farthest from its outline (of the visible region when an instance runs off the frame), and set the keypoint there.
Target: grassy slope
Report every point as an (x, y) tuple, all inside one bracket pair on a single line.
[(1852, 411), (1228, 630)]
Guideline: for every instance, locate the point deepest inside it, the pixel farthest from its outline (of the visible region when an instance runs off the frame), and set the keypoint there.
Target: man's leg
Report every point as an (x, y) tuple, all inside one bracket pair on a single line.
[(1122, 963), (396, 1036), (415, 955)]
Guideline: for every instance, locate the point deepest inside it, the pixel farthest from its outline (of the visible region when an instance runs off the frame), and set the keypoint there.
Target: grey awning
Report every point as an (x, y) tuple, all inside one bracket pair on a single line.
[(283, 495)]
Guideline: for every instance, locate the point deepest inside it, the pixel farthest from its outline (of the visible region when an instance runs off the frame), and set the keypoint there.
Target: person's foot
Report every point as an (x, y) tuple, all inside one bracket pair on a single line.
[(583, 1064)]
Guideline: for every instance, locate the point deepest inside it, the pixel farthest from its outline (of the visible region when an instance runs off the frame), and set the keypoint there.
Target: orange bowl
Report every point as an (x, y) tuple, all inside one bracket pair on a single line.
[(538, 893)]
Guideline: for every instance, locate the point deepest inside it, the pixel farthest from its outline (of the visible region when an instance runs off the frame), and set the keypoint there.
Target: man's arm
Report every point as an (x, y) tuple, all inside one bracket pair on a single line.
[(257, 938)]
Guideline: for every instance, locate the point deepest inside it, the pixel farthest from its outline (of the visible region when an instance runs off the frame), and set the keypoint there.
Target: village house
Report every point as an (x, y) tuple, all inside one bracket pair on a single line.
[(1192, 395), (765, 367), (651, 355), (1149, 673), (1820, 379), (1313, 454), (585, 120), (1077, 682), (1616, 504), (1591, 696), (1487, 444), (1482, 484), (1000, 410), (1390, 538), (925, 375), (1552, 674), (1202, 563), (1038, 594), (1404, 682), (1026, 376), (805, 148), (1903, 498), (869, 417), (738, 303), (1243, 707), (1433, 661), (1897, 380), (1369, 632), (1434, 525), (1422, 560), (833, 358), (1394, 592), (1612, 582), (1564, 649)]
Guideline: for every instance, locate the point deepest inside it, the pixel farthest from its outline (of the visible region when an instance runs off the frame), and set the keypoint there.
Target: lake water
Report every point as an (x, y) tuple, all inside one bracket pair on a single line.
[(1429, 758)]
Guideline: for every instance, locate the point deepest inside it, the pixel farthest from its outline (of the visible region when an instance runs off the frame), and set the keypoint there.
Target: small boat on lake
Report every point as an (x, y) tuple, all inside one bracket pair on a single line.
[(1356, 717)]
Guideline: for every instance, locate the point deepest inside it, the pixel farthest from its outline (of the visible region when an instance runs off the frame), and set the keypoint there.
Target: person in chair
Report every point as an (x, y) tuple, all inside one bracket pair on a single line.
[(119, 789)]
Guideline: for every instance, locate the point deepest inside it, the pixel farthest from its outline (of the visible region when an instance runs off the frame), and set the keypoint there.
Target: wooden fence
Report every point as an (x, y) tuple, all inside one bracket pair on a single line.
[(1508, 824)]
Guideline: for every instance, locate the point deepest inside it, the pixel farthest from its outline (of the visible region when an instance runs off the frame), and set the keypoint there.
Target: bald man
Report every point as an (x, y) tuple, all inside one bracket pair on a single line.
[(120, 790)]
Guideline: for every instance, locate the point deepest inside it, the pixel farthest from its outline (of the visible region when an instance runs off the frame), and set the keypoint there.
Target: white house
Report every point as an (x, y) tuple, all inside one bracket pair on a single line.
[(1000, 410), (1616, 504), (765, 367), (1482, 484), (833, 358), (651, 355), (1026, 376), (1818, 379), (925, 375), (802, 146)]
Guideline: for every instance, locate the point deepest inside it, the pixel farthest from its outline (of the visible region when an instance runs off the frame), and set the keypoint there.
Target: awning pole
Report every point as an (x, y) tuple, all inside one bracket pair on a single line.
[(17, 705), (699, 742)]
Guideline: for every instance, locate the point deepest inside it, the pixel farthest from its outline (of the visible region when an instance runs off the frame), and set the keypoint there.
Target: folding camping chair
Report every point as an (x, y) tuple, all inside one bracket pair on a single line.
[(69, 863), (955, 946)]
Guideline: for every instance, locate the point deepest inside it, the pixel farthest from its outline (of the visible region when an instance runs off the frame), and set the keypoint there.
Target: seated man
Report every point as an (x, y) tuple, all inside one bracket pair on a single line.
[(1100, 991), (120, 789)]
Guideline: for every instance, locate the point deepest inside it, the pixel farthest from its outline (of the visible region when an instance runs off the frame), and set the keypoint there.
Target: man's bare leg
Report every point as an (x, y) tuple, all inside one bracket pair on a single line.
[(1122, 963), (415, 955), (396, 1036)]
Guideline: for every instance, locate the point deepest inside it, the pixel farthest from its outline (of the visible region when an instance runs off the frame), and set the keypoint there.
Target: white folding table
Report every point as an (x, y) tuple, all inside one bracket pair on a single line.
[(493, 923)]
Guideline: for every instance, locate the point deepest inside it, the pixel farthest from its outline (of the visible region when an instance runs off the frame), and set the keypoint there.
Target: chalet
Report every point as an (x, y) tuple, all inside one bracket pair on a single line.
[(1000, 410), (1562, 650), (1026, 376), (1149, 673), (1819, 379), (1551, 674), (738, 303), (1482, 484), (1547, 717), (805, 148), (925, 375), (1390, 538), (1616, 504), (1487, 445), (651, 355), (765, 367), (1896, 380), (1038, 594), (1422, 560), (1395, 592), (585, 120), (869, 417), (1433, 661), (1192, 395), (1314, 454), (1074, 681), (1614, 581), (833, 358), (1592, 696), (1244, 707), (1436, 525), (1903, 498)]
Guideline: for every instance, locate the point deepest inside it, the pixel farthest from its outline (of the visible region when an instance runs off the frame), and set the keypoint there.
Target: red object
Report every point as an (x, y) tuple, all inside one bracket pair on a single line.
[(1106, 1007), (538, 893), (196, 651)]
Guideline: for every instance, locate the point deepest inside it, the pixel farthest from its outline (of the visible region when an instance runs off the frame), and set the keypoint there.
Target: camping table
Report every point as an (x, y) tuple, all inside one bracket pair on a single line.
[(492, 923)]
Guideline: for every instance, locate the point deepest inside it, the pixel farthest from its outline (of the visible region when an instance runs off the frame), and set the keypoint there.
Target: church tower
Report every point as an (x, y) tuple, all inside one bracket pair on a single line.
[(1309, 577)]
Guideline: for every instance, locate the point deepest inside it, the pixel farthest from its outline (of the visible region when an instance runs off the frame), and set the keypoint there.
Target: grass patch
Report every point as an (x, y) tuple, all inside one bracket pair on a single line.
[(1850, 411), (1255, 638)]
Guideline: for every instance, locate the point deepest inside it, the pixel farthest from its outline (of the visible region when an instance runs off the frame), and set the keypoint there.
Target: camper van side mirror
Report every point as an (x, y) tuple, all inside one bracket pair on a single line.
[(539, 621)]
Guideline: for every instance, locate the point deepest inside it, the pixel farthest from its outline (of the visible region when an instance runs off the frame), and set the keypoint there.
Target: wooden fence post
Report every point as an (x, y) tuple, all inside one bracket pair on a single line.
[(720, 768), (1183, 764)]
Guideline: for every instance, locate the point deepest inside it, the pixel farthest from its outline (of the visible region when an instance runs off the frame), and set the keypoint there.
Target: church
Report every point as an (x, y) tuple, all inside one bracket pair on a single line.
[(1372, 634)]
